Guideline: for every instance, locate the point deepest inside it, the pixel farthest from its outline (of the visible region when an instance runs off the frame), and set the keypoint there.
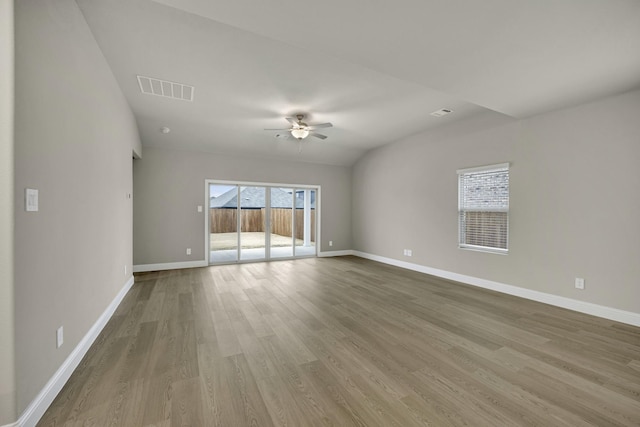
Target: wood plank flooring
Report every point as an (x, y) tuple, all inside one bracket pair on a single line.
[(346, 341)]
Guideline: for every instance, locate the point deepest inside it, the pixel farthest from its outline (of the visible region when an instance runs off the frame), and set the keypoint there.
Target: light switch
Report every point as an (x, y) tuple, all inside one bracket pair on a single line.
[(59, 336), (31, 200), (199, 208)]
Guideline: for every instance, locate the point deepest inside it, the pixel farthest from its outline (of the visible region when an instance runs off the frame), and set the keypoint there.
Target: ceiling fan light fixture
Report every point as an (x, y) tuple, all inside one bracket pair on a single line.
[(299, 133), (300, 130)]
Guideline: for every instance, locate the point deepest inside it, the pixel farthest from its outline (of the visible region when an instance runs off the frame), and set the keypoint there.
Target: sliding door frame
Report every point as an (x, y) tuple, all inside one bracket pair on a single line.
[(268, 186)]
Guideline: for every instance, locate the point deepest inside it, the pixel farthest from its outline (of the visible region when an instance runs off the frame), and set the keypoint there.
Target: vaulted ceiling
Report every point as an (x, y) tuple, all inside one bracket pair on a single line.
[(376, 69)]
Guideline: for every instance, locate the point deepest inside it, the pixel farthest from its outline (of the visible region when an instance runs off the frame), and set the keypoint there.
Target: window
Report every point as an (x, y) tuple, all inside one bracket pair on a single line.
[(483, 208)]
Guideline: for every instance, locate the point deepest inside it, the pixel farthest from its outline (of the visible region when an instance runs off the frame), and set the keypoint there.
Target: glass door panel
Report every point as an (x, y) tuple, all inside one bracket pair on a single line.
[(223, 223), (281, 230), (252, 223), (248, 223), (305, 222)]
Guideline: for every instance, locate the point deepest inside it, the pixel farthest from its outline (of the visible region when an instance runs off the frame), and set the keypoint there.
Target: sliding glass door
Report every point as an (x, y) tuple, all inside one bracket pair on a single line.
[(223, 223), (281, 230), (260, 222), (305, 222), (252, 223)]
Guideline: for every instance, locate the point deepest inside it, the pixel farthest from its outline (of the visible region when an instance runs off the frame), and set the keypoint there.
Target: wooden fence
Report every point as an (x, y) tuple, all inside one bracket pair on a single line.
[(486, 229), (253, 220)]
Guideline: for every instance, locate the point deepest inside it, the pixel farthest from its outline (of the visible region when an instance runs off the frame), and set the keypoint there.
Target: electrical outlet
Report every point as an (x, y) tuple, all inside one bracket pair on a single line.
[(579, 283), (31, 200), (330, 242), (59, 337), (188, 251)]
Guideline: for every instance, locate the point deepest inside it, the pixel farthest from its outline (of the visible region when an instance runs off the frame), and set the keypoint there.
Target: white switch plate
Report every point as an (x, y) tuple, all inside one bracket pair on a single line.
[(330, 242), (59, 337), (579, 283), (409, 252), (188, 251), (199, 208), (31, 200)]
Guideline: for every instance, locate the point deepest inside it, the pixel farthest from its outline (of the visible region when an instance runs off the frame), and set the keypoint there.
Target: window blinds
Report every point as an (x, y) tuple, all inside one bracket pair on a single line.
[(484, 207)]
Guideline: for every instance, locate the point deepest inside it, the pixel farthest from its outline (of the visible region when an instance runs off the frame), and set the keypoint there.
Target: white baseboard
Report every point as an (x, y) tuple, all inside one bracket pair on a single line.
[(622, 316), (335, 253), (39, 405), (169, 266)]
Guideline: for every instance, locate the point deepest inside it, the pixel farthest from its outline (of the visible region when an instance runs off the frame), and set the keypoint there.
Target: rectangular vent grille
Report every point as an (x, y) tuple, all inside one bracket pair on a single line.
[(165, 88), (441, 112)]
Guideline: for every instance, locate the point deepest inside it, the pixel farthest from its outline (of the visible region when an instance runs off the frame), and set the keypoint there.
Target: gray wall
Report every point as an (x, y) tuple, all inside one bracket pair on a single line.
[(170, 184), (7, 377), (74, 136), (575, 200)]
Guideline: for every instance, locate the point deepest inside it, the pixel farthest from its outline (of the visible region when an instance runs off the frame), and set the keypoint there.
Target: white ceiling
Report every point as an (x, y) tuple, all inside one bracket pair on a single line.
[(375, 69)]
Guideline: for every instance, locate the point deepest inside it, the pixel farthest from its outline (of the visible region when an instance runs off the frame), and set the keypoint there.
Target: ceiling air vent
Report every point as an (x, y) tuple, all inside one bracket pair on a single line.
[(165, 88), (441, 112)]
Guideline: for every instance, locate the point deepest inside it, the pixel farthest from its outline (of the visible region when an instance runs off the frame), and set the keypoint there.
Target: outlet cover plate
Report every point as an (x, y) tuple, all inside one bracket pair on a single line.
[(31, 200)]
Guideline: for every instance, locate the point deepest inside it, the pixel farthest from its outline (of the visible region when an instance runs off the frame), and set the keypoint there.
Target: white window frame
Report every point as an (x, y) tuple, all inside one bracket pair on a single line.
[(461, 237)]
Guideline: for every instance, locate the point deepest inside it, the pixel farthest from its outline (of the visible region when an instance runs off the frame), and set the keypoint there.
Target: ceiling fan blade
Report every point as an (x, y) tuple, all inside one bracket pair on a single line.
[(321, 125), (318, 135), (283, 135), (279, 129), (292, 120)]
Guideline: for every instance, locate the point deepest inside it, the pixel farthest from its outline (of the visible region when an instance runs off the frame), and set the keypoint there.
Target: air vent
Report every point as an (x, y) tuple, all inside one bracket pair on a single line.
[(441, 112), (165, 88)]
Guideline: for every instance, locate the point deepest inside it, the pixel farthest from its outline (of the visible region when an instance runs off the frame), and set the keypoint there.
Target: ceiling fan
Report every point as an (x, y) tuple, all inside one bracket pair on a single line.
[(301, 130)]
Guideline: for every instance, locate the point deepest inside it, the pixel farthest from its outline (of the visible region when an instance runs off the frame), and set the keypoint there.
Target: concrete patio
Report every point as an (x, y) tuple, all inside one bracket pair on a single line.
[(223, 247)]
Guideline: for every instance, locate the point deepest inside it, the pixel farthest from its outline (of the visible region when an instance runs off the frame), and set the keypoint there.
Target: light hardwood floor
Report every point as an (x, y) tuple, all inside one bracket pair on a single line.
[(346, 341)]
